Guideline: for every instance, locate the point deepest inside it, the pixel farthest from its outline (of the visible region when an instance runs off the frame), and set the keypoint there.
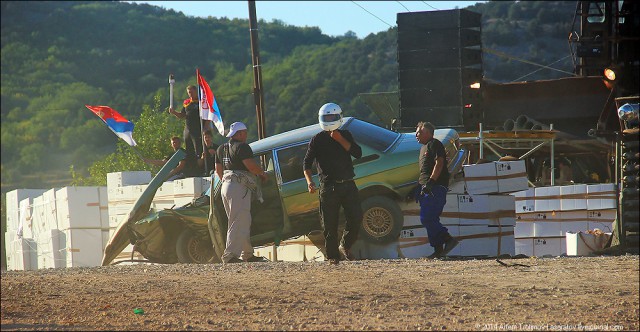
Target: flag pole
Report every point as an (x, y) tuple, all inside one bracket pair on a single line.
[(204, 150), (172, 81)]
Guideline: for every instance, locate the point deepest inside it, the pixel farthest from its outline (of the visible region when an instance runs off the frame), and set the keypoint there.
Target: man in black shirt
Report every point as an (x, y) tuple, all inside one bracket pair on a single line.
[(207, 161), (184, 168), (192, 127), (434, 182), (237, 170), (332, 149)]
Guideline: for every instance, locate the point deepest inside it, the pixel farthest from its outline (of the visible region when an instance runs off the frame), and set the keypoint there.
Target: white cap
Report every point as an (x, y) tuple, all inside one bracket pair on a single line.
[(236, 127)]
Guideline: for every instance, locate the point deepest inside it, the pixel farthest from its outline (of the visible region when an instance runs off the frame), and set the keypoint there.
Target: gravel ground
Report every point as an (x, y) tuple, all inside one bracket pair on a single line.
[(587, 293)]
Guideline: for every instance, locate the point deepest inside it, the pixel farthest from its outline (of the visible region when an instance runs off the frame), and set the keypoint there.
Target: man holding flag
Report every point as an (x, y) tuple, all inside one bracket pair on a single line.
[(193, 125)]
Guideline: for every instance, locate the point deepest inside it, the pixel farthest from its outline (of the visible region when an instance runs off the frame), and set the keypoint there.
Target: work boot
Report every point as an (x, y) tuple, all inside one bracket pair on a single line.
[(348, 255), (334, 261), (449, 244), (437, 252)]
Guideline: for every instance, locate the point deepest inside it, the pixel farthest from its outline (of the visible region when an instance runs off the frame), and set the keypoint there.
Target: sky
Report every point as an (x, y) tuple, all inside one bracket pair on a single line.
[(334, 18)]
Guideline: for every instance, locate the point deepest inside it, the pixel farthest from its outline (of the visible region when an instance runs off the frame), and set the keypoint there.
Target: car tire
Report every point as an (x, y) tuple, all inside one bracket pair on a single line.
[(191, 248), (382, 220)]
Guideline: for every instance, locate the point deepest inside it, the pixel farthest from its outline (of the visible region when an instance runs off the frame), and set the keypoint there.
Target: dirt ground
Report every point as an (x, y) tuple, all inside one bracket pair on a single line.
[(588, 293)]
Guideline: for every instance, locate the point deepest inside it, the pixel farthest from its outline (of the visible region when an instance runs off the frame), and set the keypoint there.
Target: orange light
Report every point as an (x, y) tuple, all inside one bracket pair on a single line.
[(610, 74), (475, 85)]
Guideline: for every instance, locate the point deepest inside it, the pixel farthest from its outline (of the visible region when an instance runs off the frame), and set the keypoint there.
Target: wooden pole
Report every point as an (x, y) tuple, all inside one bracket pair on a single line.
[(257, 72)]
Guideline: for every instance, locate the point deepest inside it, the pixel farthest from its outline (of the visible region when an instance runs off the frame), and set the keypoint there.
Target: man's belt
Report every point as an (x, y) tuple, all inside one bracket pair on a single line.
[(341, 181)]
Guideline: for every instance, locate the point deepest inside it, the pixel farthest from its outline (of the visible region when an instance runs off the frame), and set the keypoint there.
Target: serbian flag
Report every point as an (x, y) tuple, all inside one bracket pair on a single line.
[(209, 109), (116, 122)]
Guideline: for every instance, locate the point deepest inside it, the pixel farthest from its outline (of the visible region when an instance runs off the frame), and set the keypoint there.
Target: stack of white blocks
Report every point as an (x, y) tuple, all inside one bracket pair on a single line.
[(70, 226), (546, 214)]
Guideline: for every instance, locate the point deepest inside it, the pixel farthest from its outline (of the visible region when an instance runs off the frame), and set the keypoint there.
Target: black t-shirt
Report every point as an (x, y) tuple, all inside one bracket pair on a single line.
[(231, 155), (210, 157), (192, 110), (427, 161), (189, 168), (334, 163)]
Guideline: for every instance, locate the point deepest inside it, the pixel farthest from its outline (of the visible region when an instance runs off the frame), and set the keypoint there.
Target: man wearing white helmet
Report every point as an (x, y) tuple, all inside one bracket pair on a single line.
[(238, 171), (332, 149)]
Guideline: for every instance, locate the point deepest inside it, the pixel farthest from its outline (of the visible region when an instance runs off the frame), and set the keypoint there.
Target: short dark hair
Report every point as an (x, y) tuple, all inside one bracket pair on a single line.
[(426, 125), (173, 138)]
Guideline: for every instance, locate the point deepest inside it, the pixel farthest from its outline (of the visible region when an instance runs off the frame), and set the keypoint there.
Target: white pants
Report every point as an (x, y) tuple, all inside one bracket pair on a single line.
[(237, 203)]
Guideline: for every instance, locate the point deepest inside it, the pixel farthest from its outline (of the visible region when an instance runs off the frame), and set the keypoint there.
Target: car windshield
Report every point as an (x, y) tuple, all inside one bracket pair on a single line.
[(369, 134)]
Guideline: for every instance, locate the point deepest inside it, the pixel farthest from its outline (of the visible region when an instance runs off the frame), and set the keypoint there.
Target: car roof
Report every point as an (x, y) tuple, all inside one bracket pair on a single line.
[(289, 137)]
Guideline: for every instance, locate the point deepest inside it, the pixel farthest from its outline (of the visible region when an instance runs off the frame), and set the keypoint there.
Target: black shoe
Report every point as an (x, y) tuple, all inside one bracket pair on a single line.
[(234, 260), (438, 252), (348, 255), (449, 245), (257, 259), (334, 261)]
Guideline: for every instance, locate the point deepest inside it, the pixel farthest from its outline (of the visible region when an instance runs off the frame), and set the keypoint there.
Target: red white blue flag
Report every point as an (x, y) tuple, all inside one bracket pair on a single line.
[(116, 122), (209, 109)]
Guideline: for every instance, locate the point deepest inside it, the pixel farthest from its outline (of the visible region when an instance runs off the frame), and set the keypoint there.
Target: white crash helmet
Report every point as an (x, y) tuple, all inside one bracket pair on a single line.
[(330, 117)]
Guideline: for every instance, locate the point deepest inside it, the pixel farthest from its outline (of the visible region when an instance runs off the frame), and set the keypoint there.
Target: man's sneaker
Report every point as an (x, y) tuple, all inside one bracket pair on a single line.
[(449, 245), (257, 259), (234, 260), (334, 261), (348, 255)]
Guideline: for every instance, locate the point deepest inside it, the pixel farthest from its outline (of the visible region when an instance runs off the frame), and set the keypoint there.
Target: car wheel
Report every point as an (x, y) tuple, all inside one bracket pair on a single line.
[(191, 248), (382, 219)]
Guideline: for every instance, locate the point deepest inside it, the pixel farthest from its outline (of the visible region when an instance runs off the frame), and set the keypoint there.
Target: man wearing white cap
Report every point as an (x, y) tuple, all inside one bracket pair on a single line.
[(237, 169)]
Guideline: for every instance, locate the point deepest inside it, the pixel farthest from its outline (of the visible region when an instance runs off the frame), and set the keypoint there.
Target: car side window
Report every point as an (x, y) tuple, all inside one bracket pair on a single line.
[(290, 162)]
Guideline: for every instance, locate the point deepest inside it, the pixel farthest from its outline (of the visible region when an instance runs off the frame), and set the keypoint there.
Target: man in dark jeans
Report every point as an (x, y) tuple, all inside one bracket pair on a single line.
[(332, 149), (434, 183)]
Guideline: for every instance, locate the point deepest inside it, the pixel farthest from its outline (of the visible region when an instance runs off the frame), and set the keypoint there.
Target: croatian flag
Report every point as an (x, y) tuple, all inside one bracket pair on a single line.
[(116, 122), (209, 109)]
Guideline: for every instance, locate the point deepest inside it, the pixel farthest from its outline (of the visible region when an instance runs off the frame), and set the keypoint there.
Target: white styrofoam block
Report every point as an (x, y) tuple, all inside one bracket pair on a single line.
[(573, 197), (312, 253), (449, 215), (116, 219), (78, 207), (547, 199), (481, 178), (39, 222), (524, 246), (524, 229), (49, 251), (601, 196), (573, 216), (165, 192), (486, 210), (128, 178), (104, 207), (458, 187), (524, 200), (267, 252), (292, 250), (547, 228), (485, 240), (12, 201), (25, 220), (554, 246), (413, 243), (512, 176), (185, 190), (583, 244), (83, 247)]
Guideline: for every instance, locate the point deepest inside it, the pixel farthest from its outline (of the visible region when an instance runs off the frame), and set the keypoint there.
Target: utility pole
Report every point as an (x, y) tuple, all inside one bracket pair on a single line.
[(258, 96)]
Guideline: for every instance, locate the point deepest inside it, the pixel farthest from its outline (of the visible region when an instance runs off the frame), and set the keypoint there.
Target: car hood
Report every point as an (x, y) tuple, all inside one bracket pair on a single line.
[(140, 210)]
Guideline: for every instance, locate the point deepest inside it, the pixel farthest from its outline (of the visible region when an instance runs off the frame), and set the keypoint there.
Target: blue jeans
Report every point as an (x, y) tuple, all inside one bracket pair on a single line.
[(431, 206)]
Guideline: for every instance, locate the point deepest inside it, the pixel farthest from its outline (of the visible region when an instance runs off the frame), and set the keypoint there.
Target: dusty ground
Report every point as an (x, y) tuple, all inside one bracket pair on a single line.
[(597, 293)]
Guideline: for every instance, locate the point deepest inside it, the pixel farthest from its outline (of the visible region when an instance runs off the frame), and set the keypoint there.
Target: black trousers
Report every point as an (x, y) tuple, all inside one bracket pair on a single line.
[(332, 197), (192, 142)]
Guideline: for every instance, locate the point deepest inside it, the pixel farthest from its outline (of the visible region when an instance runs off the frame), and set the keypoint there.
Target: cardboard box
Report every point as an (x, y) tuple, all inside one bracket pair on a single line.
[(485, 241), (584, 244), (547, 199), (573, 197), (481, 178), (553, 246), (128, 178), (601, 196), (78, 207), (524, 200), (486, 210), (524, 246), (512, 176)]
